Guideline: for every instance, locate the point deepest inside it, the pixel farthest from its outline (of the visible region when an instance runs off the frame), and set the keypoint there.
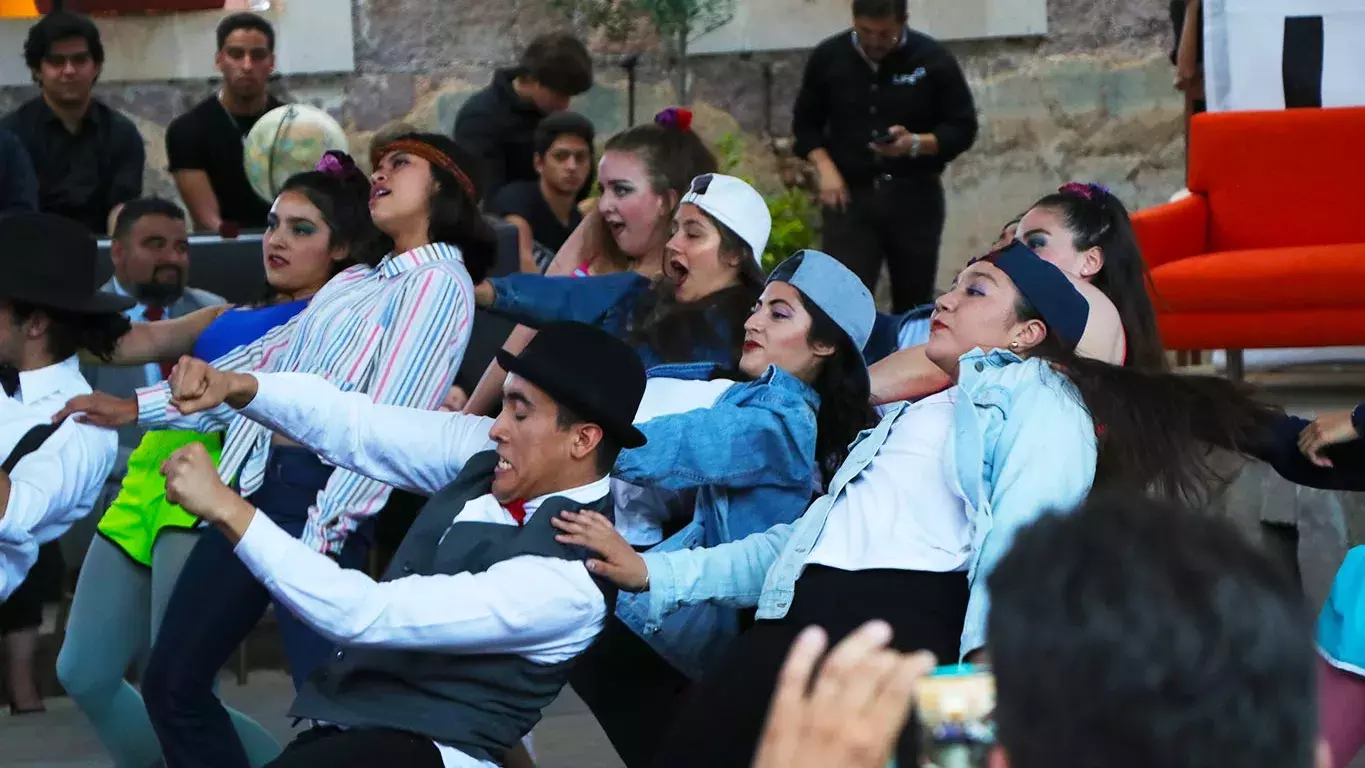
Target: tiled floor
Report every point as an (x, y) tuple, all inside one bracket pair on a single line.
[(568, 737)]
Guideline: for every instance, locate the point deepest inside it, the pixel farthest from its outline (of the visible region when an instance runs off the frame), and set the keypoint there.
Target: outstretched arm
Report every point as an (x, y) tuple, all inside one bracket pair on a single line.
[(160, 340)]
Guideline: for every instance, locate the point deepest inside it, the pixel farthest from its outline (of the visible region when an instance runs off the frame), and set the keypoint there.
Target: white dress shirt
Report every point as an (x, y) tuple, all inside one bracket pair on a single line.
[(57, 484), (904, 512), (545, 609)]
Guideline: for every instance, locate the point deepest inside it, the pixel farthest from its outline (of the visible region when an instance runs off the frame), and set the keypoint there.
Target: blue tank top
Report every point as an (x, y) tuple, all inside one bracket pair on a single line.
[(238, 327)]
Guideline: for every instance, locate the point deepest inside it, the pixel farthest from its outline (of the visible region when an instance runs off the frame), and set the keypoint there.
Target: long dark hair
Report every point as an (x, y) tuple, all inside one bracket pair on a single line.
[(1096, 218), (70, 332), (844, 389), (672, 156), (675, 329), (455, 217), (1155, 430)]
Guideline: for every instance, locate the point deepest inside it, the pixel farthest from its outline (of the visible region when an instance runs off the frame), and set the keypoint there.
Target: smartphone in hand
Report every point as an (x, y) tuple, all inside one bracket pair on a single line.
[(884, 138), (956, 710)]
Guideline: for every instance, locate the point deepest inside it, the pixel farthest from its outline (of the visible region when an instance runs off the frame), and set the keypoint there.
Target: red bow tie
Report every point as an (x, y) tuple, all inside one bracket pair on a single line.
[(517, 509)]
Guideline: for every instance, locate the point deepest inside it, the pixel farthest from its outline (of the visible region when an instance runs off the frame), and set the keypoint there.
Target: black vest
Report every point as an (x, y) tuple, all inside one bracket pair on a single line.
[(479, 704)]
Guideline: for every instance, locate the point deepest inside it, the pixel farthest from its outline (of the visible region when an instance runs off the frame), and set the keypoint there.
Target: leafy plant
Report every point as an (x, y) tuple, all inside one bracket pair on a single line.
[(795, 215), (677, 22)]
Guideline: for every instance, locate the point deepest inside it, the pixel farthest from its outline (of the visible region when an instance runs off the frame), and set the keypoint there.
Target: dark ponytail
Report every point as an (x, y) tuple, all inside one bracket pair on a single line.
[(1096, 218), (1156, 431), (844, 389)]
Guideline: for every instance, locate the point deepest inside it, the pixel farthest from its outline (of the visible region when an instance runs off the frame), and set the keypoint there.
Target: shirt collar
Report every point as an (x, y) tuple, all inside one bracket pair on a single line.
[(583, 494), (394, 265), (91, 116), (41, 382)]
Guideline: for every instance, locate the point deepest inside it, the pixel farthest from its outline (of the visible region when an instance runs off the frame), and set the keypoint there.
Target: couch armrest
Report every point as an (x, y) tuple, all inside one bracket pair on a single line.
[(1173, 231)]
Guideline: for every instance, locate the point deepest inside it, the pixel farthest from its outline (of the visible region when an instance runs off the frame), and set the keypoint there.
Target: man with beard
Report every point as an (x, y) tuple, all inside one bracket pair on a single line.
[(150, 251), (87, 156), (204, 145)]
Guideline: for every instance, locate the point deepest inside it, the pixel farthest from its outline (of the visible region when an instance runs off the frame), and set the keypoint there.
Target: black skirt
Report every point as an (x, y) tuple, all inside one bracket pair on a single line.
[(720, 724)]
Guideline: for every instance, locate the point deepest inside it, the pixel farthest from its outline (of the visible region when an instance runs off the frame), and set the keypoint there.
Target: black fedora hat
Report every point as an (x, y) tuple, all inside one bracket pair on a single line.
[(53, 262), (587, 370)]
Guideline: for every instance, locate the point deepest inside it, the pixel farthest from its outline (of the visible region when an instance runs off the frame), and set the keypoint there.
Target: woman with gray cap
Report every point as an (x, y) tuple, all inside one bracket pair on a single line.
[(927, 502), (753, 446)]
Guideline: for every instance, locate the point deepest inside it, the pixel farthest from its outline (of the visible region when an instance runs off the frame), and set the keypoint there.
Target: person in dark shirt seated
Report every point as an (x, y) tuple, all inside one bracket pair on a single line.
[(204, 145), (18, 185), (545, 211), (499, 123), (88, 157)]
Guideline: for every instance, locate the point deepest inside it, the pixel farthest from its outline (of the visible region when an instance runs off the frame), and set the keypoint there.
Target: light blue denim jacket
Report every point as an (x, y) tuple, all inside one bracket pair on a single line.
[(606, 301), (751, 460), (1022, 444)]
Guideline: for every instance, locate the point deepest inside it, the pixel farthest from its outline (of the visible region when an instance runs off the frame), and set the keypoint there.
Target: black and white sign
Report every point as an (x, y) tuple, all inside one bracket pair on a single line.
[(1277, 54)]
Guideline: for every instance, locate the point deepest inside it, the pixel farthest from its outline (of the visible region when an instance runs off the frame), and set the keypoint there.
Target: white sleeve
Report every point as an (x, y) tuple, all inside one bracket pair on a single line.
[(408, 448), (546, 609), (50, 489)]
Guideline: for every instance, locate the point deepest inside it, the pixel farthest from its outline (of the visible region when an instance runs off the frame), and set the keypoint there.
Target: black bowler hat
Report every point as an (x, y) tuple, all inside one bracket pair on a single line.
[(587, 370), (53, 262)]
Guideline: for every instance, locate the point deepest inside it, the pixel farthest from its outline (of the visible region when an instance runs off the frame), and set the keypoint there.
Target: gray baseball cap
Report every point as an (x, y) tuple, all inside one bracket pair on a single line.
[(834, 289)]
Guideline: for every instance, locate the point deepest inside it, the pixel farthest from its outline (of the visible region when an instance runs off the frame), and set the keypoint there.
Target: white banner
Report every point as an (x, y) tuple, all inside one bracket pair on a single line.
[(1273, 54)]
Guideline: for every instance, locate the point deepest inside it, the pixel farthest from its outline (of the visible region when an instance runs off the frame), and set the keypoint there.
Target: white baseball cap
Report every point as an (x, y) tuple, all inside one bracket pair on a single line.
[(735, 204)]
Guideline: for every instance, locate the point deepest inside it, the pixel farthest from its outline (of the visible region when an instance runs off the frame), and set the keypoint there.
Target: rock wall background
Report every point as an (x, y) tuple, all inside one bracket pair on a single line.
[(1093, 100)]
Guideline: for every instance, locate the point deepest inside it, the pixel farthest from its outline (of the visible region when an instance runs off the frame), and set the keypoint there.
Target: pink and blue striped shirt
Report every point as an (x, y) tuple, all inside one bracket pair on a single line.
[(396, 332)]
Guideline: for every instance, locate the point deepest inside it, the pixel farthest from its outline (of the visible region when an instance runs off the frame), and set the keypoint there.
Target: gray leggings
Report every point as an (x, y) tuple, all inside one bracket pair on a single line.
[(114, 619)]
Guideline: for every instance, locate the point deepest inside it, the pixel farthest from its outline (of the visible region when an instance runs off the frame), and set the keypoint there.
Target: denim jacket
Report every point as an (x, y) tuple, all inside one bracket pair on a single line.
[(606, 301), (751, 460), (1022, 444)]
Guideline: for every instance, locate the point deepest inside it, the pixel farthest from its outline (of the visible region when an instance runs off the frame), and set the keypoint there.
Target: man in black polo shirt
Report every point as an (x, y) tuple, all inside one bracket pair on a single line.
[(88, 158), (499, 123), (882, 110), (545, 211), (204, 145)]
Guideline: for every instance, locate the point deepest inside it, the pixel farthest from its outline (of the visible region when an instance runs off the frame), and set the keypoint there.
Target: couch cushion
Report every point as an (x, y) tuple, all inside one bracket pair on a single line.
[(1279, 178), (1274, 279)]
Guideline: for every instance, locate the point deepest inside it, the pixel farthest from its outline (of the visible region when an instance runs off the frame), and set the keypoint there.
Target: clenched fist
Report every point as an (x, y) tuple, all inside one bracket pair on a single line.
[(192, 482), (197, 386)]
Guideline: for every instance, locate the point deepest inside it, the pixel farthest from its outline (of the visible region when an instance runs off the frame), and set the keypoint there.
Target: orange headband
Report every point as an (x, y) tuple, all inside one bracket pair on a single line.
[(430, 154)]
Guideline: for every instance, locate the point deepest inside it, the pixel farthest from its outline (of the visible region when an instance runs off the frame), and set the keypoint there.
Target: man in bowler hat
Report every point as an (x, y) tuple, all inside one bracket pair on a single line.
[(451, 656), (51, 308)]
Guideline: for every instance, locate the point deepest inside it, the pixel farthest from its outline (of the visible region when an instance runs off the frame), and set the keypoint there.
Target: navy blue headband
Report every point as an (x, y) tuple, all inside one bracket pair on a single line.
[(1047, 288)]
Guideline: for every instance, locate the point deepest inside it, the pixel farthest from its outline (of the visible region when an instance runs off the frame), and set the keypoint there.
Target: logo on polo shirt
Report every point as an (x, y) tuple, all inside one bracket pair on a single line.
[(910, 79)]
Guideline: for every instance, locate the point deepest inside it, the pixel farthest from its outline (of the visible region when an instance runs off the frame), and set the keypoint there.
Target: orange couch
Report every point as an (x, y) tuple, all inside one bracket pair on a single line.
[(1269, 248)]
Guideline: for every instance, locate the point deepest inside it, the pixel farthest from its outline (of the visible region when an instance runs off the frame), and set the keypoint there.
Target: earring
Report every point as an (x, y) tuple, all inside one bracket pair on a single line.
[(1014, 345)]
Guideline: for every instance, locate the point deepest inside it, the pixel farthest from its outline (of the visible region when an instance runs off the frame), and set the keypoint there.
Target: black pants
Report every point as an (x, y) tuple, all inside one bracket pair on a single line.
[(43, 584), (899, 222), (360, 748), (721, 723), (631, 690)]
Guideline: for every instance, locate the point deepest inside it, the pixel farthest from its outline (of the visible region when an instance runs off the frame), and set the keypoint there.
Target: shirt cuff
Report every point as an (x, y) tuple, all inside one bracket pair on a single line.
[(13, 528), (662, 590), (267, 402), (154, 406), (262, 546)]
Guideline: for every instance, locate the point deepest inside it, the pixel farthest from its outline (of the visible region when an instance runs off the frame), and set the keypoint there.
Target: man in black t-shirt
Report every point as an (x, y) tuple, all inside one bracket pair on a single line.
[(545, 212), (204, 145)]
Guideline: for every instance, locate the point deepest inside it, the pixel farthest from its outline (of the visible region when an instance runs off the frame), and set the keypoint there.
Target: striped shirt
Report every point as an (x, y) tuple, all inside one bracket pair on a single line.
[(396, 332)]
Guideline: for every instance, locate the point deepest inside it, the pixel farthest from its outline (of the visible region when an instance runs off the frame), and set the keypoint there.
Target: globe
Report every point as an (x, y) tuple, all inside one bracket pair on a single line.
[(285, 141)]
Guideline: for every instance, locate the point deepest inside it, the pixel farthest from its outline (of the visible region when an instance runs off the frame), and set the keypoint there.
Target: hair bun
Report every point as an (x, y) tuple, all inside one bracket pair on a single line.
[(675, 117), (1087, 190), (338, 165)]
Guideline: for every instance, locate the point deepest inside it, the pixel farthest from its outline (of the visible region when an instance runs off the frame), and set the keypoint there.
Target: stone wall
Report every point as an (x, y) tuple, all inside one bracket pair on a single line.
[(1092, 100)]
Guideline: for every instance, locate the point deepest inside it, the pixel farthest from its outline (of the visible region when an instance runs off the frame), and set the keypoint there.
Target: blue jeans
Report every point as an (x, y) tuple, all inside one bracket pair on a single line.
[(215, 605)]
